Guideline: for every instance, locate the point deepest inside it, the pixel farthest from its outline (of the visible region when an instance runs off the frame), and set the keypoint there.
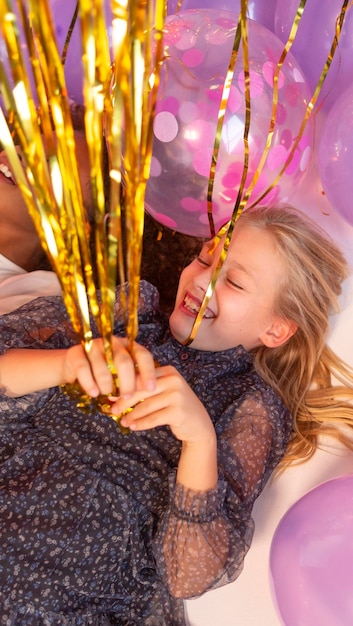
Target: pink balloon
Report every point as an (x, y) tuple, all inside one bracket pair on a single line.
[(311, 557), (198, 45), (335, 156), (313, 42)]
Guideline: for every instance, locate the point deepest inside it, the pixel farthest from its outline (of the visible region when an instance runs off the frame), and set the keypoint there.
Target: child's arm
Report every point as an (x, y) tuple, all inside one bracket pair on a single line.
[(24, 371), (173, 403)]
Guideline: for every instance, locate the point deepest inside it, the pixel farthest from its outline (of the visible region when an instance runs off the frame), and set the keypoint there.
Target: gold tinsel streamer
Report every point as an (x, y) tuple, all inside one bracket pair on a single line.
[(49, 180), (134, 92), (116, 96)]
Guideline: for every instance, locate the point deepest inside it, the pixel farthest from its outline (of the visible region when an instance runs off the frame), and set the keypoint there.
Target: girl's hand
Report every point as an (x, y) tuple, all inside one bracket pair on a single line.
[(171, 403), (92, 373)]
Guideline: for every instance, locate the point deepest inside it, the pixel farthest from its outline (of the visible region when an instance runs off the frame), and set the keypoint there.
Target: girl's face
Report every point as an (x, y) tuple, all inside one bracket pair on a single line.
[(241, 309)]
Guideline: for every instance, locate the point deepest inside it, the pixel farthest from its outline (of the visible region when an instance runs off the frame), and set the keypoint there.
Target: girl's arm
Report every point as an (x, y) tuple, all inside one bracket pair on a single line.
[(207, 528), (24, 371), (173, 403)]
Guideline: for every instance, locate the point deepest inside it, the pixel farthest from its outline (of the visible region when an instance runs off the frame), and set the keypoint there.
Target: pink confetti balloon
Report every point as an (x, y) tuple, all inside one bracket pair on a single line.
[(311, 557), (198, 45)]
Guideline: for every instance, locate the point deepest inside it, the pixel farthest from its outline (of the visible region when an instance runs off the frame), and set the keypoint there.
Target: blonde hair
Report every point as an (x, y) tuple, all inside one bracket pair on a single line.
[(302, 370)]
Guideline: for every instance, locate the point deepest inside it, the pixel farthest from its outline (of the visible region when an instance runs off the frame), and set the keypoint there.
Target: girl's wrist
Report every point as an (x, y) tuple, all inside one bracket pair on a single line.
[(197, 467)]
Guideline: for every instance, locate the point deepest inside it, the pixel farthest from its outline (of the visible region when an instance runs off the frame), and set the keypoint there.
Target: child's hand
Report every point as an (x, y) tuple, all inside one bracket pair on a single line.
[(92, 373), (171, 403)]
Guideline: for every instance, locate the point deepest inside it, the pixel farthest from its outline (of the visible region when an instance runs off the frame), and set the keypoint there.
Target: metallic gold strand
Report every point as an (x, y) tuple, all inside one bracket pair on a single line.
[(269, 138), (69, 35), (96, 84), (133, 37), (218, 136), (242, 31)]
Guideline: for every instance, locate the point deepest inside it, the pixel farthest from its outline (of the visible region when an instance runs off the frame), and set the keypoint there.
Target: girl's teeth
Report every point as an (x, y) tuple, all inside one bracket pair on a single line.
[(190, 304), (5, 170)]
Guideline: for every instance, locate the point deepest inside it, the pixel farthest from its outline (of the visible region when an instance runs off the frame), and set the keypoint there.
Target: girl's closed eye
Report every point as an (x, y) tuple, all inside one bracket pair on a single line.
[(205, 260), (235, 283)]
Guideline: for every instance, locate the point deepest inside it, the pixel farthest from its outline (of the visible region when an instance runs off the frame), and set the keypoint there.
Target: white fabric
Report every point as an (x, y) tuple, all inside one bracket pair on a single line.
[(8, 268), (18, 286)]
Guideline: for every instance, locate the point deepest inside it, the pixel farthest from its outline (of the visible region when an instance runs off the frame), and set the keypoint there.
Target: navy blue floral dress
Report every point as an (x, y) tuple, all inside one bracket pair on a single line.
[(93, 529)]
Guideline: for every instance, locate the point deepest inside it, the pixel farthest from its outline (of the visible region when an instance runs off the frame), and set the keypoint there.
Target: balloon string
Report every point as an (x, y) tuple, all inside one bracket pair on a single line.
[(50, 182), (218, 136), (69, 34), (96, 83), (272, 124), (241, 35)]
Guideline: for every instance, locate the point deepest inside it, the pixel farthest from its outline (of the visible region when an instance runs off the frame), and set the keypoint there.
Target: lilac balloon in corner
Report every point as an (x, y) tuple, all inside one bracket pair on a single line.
[(198, 46), (335, 155), (313, 42), (311, 558)]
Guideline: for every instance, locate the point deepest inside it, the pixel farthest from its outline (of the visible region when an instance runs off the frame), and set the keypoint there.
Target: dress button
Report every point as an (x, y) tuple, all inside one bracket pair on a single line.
[(184, 356)]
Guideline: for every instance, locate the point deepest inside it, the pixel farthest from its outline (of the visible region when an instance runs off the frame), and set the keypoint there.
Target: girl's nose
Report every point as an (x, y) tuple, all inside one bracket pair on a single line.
[(206, 280)]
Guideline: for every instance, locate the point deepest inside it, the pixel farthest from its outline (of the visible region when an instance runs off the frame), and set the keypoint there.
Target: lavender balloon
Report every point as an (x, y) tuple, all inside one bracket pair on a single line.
[(313, 41), (335, 156), (198, 45), (62, 13), (311, 557)]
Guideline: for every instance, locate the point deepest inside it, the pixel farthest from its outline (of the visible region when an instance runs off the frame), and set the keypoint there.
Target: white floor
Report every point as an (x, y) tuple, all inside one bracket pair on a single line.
[(249, 601)]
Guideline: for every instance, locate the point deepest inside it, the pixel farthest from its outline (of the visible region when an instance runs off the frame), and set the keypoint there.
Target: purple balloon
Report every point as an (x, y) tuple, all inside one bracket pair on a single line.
[(335, 155), (262, 11), (198, 46), (313, 42), (62, 13), (311, 558)]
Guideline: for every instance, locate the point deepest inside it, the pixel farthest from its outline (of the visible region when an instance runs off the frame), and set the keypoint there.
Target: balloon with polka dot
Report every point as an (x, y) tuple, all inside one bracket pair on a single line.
[(197, 49)]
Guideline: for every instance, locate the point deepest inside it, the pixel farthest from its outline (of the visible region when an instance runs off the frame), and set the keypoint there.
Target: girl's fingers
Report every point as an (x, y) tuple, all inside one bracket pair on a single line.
[(135, 371), (98, 372), (145, 367)]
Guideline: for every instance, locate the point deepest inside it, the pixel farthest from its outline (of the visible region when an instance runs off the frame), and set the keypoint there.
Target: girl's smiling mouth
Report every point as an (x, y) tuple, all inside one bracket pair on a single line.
[(6, 175), (192, 306)]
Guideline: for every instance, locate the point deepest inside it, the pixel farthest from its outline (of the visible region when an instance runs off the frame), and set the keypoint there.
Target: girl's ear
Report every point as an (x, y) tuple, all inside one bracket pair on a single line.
[(279, 332)]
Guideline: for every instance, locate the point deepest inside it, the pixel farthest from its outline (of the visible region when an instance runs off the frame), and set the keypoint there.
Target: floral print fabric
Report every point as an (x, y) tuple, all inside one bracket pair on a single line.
[(93, 528)]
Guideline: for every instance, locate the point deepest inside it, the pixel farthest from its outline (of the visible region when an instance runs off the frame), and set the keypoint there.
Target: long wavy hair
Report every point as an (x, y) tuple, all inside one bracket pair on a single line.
[(313, 382)]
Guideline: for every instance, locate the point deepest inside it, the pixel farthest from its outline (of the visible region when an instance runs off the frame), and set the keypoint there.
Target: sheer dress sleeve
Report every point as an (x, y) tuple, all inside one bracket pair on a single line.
[(205, 536)]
